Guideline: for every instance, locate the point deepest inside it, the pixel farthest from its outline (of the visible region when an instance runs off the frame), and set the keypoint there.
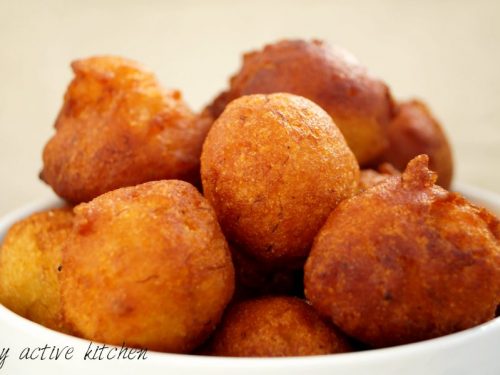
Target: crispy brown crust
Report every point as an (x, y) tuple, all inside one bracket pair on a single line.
[(29, 260), (275, 327), (118, 127), (147, 265), (359, 103), (405, 261), (273, 167), (414, 131)]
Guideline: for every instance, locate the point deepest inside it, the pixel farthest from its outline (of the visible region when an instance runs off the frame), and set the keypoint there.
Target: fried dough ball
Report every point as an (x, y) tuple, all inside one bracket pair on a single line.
[(30, 257), (359, 103), (406, 261), (371, 177), (147, 266), (119, 128), (275, 327), (414, 131), (273, 167)]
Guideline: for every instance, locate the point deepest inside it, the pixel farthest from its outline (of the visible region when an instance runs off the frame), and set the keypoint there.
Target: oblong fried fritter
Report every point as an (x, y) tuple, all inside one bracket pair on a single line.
[(360, 104), (147, 266), (414, 131), (117, 128), (30, 258), (406, 261), (275, 327), (273, 167)]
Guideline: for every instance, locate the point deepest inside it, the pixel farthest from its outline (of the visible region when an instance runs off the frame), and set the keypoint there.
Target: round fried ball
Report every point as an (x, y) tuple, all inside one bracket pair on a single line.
[(414, 131), (359, 103), (30, 257), (275, 327), (273, 167), (147, 266), (117, 128), (406, 261)]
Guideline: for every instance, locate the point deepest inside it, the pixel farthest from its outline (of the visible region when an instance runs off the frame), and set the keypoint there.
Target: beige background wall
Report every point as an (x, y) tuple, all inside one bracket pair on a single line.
[(447, 52)]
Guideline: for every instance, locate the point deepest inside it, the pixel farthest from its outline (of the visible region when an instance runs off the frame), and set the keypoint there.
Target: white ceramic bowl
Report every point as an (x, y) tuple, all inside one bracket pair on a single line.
[(474, 351)]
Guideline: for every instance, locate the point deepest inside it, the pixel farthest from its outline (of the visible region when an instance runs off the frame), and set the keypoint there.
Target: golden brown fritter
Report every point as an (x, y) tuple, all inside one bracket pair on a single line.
[(406, 261), (414, 131), (30, 257), (119, 128), (359, 103), (371, 177), (147, 266), (273, 167), (275, 327)]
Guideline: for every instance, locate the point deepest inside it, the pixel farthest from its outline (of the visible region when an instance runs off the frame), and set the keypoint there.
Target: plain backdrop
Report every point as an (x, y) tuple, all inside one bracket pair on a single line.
[(445, 52)]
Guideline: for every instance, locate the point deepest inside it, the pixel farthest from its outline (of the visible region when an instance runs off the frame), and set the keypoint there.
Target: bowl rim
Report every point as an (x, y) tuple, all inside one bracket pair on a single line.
[(484, 197)]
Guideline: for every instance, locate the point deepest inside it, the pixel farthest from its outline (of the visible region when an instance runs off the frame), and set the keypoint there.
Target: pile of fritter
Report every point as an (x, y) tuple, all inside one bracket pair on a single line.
[(303, 212)]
